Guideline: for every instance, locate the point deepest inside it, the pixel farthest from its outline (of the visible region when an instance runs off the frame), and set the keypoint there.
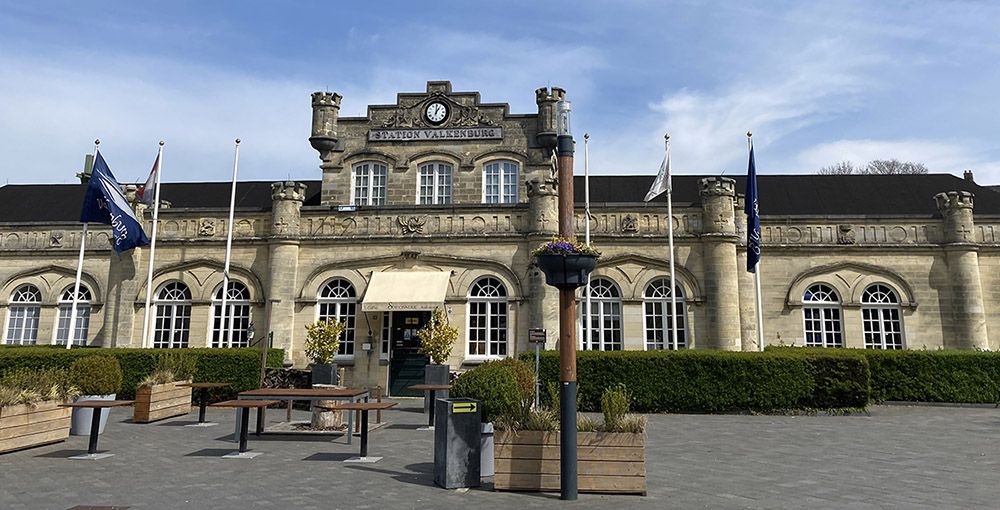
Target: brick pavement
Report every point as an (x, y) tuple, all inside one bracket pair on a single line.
[(898, 457)]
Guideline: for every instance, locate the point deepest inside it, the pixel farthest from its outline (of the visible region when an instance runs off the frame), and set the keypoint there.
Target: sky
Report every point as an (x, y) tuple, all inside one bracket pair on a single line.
[(816, 82)]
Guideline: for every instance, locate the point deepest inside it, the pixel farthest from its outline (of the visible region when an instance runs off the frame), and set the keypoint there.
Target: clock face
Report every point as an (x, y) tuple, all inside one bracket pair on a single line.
[(436, 112)]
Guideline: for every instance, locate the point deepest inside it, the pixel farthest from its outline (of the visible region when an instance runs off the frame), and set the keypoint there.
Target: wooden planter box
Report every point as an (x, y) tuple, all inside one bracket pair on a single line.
[(24, 426), (612, 463), (161, 401)]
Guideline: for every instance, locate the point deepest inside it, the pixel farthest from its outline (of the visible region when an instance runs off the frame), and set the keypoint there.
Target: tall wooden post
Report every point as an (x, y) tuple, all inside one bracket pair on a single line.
[(567, 315)]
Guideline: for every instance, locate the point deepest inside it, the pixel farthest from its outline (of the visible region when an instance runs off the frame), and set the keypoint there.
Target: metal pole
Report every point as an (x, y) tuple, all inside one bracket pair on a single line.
[(538, 381), (670, 242), (71, 333), (587, 308), (567, 318), (227, 328), (152, 246)]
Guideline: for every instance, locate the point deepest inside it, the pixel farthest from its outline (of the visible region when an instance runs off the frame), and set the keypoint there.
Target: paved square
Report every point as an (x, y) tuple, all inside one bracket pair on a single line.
[(899, 457)]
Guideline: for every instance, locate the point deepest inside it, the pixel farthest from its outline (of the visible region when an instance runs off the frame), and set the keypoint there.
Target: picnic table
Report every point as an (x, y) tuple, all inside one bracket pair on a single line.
[(311, 394), (364, 407), (433, 388), (95, 423), (244, 406), (203, 399)]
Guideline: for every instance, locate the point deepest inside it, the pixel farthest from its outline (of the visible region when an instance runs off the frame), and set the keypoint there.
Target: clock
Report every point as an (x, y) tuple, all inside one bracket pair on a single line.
[(436, 112)]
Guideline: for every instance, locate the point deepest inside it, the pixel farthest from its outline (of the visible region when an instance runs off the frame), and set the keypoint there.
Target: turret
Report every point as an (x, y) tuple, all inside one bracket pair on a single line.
[(325, 109), (546, 100)]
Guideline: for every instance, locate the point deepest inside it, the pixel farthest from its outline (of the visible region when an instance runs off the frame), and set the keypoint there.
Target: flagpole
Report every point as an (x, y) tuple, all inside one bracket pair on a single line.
[(79, 273), (152, 247), (586, 213), (756, 275), (670, 242), (229, 248)]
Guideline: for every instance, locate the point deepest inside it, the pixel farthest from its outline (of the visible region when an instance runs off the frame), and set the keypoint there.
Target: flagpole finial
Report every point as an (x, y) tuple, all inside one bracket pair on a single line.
[(97, 142), (586, 136), (749, 134), (666, 135), (161, 143), (237, 141)]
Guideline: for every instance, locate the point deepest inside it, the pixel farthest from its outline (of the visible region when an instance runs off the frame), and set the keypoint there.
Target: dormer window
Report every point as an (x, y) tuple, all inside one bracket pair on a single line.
[(434, 183)]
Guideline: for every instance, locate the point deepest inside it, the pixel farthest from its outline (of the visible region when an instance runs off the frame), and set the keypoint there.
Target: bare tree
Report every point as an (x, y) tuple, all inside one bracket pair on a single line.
[(842, 168), (894, 166)]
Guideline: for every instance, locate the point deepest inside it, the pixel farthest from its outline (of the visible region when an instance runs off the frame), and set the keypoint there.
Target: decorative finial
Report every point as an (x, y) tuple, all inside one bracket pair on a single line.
[(237, 141), (749, 134), (161, 143), (97, 142), (666, 135), (586, 136)]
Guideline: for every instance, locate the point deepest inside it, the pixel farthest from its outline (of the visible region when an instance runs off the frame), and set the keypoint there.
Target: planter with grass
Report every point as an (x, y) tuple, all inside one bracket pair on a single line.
[(97, 378), (29, 409), (322, 342), (611, 455), (436, 341), (158, 396)]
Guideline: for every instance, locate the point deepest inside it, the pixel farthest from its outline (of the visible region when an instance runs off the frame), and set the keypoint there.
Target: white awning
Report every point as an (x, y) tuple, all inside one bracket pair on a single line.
[(405, 290)]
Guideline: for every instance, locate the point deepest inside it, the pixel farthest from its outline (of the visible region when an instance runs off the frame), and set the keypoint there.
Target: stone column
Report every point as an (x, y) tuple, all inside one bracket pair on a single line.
[(748, 293), (543, 221), (721, 278), (961, 254), (283, 262)]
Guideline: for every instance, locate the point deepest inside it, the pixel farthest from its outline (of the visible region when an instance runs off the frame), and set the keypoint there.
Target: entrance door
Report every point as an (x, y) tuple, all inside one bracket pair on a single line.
[(406, 365)]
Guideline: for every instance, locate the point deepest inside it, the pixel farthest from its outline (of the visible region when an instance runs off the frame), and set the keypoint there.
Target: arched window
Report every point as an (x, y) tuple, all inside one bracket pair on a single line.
[(369, 183), (880, 314), (658, 320), (821, 313), (604, 319), (172, 325), (22, 315), (82, 316), (234, 332), (339, 302), (434, 183), (500, 182), (487, 318)]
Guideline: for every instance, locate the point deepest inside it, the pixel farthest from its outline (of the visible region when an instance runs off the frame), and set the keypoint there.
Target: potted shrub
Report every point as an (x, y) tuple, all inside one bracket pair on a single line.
[(97, 378), (566, 263), (503, 388), (158, 396), (29, 408), (611, 455), (436, 341), (322, 342)]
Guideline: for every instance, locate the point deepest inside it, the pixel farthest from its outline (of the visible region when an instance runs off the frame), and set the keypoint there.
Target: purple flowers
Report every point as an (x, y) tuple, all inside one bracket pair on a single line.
[(563, 246)]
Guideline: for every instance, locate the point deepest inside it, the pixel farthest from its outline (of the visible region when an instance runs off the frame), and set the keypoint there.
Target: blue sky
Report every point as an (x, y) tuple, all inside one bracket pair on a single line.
[(816, 82)]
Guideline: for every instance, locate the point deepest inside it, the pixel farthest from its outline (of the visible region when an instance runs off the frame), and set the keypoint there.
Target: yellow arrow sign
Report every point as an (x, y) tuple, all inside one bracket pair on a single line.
[(463, 407)]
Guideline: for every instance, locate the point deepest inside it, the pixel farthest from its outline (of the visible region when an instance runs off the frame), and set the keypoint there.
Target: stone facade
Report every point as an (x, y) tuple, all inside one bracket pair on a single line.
[(943, 270)]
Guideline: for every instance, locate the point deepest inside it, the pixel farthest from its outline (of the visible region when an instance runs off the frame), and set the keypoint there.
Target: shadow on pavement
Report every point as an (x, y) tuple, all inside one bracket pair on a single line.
[(331, 457), (62, 454)]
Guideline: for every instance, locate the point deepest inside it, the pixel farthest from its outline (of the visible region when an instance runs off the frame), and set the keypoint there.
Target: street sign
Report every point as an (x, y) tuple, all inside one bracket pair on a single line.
[(463, 407), (536, 336)]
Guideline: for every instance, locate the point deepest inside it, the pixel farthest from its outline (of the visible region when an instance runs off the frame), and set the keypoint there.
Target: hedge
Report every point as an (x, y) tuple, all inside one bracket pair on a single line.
[(926, 376), (717, 381), (500, 387), (241, 367)]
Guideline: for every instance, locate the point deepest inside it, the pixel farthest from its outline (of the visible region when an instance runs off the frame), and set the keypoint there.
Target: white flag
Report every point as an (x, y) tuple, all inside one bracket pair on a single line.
[(662, 182), (147, 190)]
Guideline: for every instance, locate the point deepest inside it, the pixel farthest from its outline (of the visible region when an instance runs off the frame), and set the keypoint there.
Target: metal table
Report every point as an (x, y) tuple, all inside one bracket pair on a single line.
[(433, 388), (95, 424), (203, 399), (244, 406)]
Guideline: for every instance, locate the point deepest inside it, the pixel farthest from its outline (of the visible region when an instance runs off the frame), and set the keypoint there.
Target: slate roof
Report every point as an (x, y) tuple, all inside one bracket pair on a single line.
[(784, 195)]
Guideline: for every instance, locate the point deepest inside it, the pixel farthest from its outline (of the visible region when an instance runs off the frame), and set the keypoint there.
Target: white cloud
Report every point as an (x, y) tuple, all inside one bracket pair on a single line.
[(937, 156)]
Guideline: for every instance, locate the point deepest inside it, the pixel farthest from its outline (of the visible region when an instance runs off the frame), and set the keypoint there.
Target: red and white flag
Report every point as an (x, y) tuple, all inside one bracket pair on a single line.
[(146, 191)]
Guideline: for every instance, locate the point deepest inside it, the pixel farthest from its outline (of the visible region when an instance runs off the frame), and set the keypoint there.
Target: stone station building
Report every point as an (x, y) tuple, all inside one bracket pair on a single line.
[(438, 200)]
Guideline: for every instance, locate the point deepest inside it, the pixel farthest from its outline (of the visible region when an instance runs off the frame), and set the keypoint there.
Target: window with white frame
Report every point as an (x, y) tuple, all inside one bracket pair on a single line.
[(821, 316), (234, 333), (66, 312), (880, 316), (22, 315), (487, 319), (369, 183), (500, 182), (386, 333), (659, 320), (172, 323), (338, 302), (434, 184), (603, 319)]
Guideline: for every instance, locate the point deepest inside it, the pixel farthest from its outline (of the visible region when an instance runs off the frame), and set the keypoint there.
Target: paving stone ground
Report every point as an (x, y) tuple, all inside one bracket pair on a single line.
[(896, 457)]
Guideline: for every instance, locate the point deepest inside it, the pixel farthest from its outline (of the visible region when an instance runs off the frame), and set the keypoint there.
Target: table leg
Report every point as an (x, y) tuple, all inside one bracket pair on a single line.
[(430, 414), (202, 405), (350, 423), (244, 424), (364, 433), (260, 420), (95, 428)]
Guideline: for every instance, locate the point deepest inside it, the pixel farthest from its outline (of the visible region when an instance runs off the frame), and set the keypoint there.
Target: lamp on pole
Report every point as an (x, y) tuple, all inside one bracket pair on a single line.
[(567, 313)]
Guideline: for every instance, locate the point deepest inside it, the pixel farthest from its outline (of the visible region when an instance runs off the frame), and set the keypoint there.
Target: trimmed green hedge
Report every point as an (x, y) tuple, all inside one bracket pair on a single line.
[(925, 376), (241, 367), (717, 381)]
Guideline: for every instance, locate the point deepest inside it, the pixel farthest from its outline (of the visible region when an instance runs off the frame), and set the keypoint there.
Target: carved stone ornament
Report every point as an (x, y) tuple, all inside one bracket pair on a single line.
[(55, 239), (845, 234), (206, 227), (412, 225), (412, 116), (280, 226), (629, 224)]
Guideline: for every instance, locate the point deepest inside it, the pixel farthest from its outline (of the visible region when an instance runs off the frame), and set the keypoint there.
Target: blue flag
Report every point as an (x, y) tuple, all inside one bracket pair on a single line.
[(105, 203), (753, 217)]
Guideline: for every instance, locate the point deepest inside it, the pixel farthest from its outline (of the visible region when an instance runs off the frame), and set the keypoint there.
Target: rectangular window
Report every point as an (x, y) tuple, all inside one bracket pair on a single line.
[(22, 324), (434, 183), (386, 332), (237, 325), (369, 183), (82, 323), (500, 182)]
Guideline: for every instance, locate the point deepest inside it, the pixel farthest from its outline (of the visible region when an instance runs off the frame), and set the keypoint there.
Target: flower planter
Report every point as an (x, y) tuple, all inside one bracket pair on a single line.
[(160, 401), (323, 373), (25, 426), (83, 418), (613, 463), (566, 271)]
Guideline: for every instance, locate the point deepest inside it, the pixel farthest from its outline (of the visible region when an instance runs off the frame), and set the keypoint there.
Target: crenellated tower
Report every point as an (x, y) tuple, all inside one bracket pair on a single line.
[(962, 256), (721, 274), (546, 100), (283, 259)]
